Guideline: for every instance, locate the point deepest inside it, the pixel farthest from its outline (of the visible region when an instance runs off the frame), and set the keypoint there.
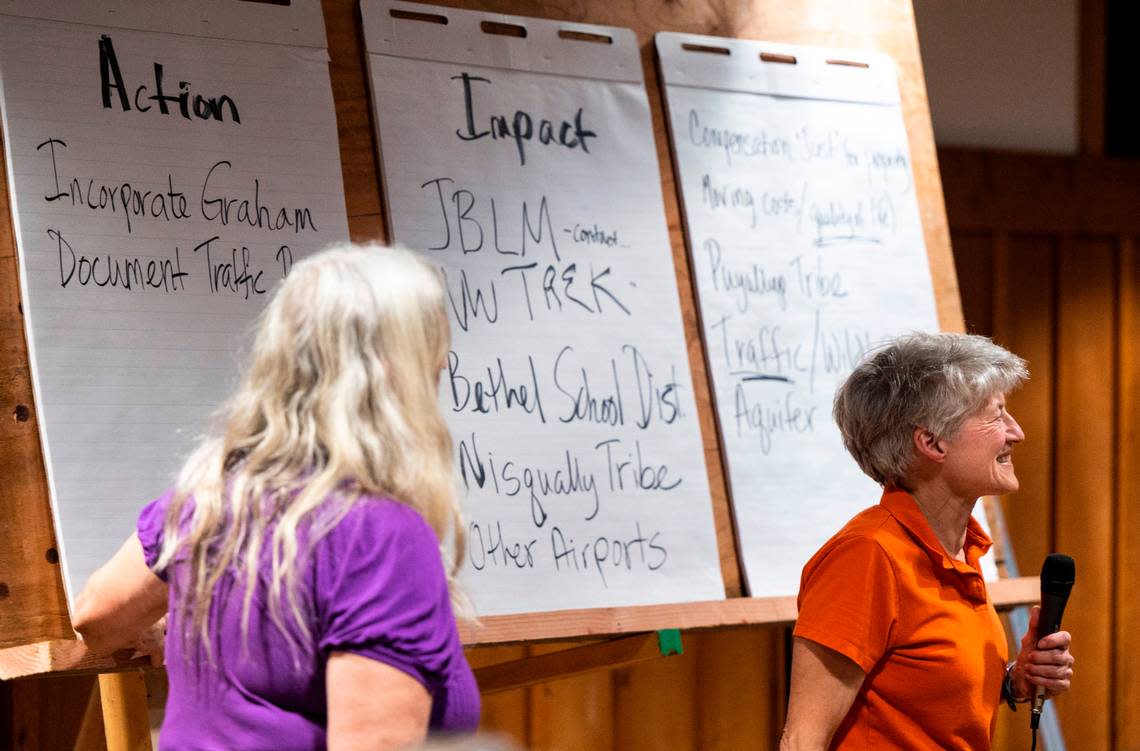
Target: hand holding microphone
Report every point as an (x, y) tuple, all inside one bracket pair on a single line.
[(1044, 664)]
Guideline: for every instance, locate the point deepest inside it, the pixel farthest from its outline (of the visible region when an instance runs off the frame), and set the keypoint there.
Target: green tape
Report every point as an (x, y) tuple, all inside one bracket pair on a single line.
[(669, 642)]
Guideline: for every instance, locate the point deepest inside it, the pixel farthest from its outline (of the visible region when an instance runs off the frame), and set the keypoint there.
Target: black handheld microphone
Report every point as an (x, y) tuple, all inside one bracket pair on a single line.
[(1057, 576)]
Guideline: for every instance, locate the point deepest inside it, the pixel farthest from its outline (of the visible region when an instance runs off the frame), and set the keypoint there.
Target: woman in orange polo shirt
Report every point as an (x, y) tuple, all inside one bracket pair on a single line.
[(897, 645)]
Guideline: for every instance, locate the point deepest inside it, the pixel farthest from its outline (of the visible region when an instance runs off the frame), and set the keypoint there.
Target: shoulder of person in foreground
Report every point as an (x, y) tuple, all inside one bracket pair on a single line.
[(848, 599), (386, 624), (382, 590)]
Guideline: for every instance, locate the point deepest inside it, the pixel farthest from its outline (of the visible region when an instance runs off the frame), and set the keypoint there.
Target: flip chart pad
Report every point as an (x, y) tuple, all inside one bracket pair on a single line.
[(167, 163), (524, 166), (807, 248)]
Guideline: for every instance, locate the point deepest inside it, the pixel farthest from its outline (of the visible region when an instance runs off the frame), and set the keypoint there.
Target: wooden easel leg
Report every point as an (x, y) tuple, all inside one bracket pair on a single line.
[(125, 718), (91, 736)]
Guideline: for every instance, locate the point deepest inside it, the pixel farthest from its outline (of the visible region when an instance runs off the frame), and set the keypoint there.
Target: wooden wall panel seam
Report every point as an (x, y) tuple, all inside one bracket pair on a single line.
[(1124, 366), (1064, 245), (1113, 552)]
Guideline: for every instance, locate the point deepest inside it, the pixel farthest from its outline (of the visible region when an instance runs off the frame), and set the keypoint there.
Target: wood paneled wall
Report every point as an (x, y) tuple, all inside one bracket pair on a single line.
[(1046, 250), (727, 691), (1047, 256)]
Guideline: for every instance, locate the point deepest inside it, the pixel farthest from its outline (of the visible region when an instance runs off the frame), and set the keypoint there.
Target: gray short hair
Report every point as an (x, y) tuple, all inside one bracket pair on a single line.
[(934, 381)]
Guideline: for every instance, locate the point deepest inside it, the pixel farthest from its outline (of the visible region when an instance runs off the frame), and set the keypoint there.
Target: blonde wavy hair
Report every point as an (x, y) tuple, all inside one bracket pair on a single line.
[(338, 402)]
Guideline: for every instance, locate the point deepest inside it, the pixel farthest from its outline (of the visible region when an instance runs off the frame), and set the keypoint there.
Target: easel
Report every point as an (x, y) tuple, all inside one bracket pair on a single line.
[(35, 633)]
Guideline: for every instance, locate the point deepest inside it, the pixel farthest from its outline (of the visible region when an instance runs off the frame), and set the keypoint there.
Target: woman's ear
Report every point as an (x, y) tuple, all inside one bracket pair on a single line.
[(928, 445)]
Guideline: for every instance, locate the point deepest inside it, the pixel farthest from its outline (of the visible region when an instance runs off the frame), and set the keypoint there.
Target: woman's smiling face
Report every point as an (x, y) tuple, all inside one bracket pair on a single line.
[(979, 458)]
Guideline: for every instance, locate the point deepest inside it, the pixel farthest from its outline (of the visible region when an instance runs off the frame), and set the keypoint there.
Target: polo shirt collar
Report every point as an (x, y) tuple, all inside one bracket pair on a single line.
[(902, 506)]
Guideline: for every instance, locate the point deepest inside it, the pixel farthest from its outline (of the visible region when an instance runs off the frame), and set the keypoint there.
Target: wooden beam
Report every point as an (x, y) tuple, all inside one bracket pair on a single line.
[(735, 611), (1011, 593), (628, 650), (566, 663), (71, 656), (62, 656), (602, 622)]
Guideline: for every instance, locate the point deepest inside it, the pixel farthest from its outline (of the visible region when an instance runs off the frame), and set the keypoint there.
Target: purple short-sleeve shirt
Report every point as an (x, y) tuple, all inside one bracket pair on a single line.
[(374, 586)]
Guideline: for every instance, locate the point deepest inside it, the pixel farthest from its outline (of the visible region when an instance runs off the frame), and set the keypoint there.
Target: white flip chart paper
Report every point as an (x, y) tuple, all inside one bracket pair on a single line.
[(167, 163), (524, 166), (806, 244)]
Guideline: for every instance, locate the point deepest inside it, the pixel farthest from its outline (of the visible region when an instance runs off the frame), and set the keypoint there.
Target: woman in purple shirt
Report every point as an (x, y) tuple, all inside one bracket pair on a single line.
[(299, 556)]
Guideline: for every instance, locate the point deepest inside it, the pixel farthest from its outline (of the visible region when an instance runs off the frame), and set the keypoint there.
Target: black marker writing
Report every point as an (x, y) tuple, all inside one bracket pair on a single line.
[(583, 403), (520, 127), (232, 275), (495, 393), (132, 273), (614, 552), (227, 209), (125, 199), (535, 226), (487, 545), (111, 80), (747, 281), (474, 301), (737, 143), (630, 470), (568, 477)]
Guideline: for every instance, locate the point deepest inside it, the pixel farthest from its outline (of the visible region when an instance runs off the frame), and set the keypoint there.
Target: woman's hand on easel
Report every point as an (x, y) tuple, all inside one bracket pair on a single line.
[(151, 643)]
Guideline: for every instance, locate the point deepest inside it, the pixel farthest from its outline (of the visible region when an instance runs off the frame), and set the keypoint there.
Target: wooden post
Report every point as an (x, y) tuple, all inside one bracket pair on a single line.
[(125, 718)]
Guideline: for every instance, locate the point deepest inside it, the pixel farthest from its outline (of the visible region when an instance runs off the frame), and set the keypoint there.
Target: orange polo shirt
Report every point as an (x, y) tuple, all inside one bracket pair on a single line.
[(885, 594)]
